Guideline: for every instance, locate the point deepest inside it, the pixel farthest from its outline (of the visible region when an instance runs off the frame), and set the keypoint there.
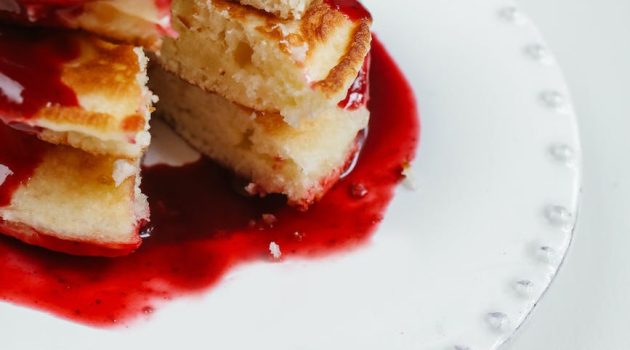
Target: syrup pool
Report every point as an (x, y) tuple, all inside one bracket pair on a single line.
[(202, 227)]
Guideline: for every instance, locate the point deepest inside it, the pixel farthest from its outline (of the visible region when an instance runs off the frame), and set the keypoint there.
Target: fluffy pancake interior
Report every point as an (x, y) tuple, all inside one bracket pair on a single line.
[(299, 162), (73, 196), (298, 68)]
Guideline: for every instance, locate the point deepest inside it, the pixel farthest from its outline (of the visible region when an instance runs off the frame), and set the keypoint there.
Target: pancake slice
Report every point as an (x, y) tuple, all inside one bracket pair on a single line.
[(296, 68), (72, 88), (68, 200), (302, 163), (138, 22)]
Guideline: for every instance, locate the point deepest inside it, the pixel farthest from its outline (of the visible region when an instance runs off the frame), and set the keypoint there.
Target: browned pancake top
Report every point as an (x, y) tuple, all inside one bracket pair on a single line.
[(317, 26)]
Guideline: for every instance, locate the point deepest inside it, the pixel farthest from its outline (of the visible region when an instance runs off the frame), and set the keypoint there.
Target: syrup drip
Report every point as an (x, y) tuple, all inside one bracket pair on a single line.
[(358, 93), (31, 64), (202, 227)]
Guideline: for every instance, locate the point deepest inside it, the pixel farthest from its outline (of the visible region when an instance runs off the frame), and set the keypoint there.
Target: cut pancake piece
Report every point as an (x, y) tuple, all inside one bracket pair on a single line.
[(297, 68), (72, 88), (67, 200), (302, 163), (280, 8), (138, 22)]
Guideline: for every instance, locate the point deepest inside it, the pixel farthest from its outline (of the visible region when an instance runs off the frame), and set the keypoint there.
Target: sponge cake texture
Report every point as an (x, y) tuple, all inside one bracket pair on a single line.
[(302, 163), (109, 81), (297, 68), (76, 202)]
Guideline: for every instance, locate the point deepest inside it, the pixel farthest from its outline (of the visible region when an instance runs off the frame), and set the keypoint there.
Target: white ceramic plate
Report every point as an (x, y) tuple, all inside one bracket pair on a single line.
[(459, 263)]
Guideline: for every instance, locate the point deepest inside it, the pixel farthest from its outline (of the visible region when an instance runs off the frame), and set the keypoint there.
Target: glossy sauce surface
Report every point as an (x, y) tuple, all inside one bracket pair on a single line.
[(202, 227), (359, 92), (31, 64)]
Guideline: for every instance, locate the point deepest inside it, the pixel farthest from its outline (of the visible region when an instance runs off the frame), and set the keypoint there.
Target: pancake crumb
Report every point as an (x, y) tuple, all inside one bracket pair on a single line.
[(275, 251), (123, 170)]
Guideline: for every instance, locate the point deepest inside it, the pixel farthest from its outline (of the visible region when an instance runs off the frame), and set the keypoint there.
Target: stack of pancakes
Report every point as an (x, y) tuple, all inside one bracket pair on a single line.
[(85, 137), (275, 90), (258, 86)]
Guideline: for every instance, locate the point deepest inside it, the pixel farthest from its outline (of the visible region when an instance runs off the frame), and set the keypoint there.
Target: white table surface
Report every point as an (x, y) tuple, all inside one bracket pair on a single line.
[(588, 306)]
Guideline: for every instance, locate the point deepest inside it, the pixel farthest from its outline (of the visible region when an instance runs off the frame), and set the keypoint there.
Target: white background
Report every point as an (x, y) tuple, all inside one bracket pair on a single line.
[(588, 307)]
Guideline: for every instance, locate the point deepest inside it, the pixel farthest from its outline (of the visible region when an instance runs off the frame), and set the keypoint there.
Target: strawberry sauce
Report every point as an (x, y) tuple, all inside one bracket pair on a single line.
[(358, 93), (202, 227), (31, 64)]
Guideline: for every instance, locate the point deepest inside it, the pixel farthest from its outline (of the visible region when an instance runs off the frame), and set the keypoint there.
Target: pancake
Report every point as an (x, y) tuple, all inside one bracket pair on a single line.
[(138, 22), (72, 88), (297, 68), (68, 200), (302, 163), (280, 8)]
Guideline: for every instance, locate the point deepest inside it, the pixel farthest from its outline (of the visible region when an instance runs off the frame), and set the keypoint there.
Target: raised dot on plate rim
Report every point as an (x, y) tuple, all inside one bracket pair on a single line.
[(512, 14), (498, 320), (539, 53), (524, 287), (555, 100), (562, 153), (559, 217), (546, 254)]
